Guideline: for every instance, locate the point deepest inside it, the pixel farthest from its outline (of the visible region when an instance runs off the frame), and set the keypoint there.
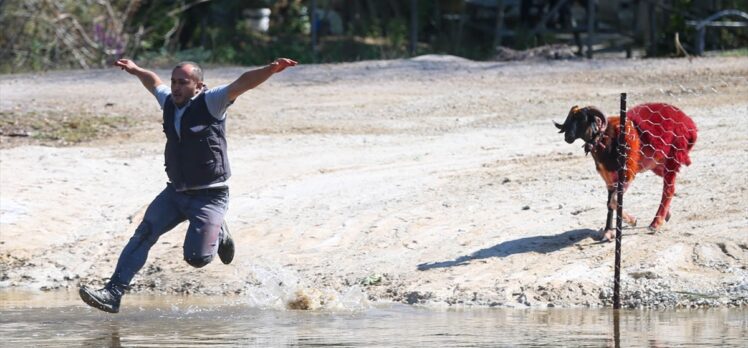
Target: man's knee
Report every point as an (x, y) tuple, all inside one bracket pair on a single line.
[(198, 261)]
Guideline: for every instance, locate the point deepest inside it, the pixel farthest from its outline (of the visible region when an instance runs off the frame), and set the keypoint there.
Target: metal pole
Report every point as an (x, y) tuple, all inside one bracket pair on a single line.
[(590, 26), (499, 26), (622, 156), (313, 26), (652, 29), (413, 27)]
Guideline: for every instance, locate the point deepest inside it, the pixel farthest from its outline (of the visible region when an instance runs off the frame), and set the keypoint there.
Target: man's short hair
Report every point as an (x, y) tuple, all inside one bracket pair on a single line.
[(197, 71)]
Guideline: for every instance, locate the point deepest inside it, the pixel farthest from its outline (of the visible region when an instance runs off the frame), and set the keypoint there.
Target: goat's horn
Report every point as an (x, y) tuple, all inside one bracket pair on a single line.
[(559, 126)]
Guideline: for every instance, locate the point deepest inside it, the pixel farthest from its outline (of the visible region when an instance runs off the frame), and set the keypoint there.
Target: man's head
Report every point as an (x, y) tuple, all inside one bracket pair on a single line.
[(186, 82)]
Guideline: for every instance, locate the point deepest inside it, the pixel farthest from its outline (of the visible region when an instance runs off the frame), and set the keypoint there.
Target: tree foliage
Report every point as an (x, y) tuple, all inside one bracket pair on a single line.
[(63, 34)]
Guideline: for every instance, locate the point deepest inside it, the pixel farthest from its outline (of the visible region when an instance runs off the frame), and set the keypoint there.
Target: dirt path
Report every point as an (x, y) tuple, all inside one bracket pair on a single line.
[(433, 181)]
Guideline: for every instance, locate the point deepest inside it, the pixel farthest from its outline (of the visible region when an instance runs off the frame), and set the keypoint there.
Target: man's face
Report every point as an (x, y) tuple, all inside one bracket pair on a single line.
[(184, 85)]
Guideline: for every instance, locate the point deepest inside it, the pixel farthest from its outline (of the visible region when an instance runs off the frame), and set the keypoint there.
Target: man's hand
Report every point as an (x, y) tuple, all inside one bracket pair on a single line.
[(148, 78), (126, 65), (280, 64)]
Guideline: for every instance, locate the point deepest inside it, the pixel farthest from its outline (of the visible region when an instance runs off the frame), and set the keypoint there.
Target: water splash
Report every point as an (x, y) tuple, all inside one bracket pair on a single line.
[(282, 289)]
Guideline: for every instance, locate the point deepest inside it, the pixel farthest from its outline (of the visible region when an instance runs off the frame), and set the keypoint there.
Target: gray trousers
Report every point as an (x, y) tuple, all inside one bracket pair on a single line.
[(204, 209)]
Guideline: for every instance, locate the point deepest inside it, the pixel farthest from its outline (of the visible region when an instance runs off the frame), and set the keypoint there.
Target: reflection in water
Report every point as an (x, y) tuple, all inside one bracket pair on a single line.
[(194, 321), (106, 336), (617, 327)]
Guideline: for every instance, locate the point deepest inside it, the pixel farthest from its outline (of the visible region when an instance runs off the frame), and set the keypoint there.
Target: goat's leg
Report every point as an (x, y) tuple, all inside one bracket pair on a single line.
[(629, 219), (611, 208), (609, 232), (663, 213)]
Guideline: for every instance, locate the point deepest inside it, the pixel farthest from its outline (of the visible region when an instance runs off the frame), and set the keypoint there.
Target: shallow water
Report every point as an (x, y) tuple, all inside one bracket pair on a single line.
[(60, 319)]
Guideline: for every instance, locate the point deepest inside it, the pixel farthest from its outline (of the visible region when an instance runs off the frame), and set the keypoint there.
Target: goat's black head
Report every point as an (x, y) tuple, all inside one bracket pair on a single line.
[(582, 123)]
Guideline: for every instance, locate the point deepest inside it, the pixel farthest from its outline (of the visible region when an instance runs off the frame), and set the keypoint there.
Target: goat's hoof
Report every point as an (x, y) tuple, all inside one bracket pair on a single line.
[(667, 217), (607, 235), (631, 221), (653, 228)]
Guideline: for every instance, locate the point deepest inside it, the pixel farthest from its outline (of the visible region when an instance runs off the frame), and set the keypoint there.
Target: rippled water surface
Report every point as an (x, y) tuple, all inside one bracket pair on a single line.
[(61, 320)]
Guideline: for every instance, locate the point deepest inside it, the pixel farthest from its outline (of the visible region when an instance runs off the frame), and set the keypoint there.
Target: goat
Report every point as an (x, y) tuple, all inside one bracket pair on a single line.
[(658, 138)]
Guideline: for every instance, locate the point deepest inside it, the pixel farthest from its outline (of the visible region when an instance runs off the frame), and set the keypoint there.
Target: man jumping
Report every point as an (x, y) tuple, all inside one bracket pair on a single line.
[(197, 167)]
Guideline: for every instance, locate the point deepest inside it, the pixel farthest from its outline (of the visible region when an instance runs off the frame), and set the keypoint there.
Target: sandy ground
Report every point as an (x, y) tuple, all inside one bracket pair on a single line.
[(435, 181)]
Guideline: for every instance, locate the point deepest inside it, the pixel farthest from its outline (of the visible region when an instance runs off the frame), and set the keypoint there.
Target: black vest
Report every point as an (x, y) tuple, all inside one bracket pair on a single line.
[(198, 158)]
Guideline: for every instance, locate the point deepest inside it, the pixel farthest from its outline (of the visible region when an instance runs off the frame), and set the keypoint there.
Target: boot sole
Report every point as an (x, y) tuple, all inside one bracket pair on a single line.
[(93, 302), (227, 253), (226, 250)]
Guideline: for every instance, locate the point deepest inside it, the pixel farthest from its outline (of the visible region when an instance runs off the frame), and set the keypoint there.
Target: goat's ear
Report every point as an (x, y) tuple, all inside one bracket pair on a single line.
[(595, 117)]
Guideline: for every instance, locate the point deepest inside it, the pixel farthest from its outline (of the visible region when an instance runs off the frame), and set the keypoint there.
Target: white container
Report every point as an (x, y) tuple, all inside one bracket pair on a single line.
[(258, 19)]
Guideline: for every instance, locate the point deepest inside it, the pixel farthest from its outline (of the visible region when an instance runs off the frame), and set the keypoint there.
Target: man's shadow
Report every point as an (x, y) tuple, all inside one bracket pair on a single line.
[(538, 244)]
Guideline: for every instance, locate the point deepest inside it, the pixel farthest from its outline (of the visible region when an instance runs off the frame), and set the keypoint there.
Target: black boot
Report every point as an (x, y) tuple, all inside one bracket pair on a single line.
[(225, 245), (106, 299)]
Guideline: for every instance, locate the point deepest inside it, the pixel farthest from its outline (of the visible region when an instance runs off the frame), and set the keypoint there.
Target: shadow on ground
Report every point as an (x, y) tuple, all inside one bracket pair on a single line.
[(538, 244)]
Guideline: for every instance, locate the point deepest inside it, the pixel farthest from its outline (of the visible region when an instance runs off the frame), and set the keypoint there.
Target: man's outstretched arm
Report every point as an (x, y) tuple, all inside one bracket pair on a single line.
[(254, 78), (148, 78)]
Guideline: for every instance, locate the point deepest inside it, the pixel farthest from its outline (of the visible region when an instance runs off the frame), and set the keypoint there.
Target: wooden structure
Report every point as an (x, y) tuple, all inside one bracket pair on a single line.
[(712, 21), (593, 26)]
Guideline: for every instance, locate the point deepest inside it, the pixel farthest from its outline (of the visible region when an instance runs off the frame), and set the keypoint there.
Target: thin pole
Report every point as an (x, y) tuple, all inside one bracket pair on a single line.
[(652, 29), (622, 149), (617, 328), (313, 27), (590, 26), (413, 27), (499, 25)]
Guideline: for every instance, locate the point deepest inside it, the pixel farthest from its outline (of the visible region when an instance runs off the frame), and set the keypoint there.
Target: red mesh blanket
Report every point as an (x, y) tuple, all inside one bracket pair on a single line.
[(667, 134)]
